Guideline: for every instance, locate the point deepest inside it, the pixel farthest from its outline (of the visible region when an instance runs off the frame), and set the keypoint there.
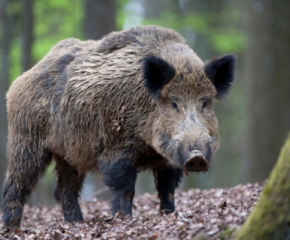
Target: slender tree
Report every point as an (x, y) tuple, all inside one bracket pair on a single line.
[(100, 18), (267, 76), (4, 80), (27, 34)]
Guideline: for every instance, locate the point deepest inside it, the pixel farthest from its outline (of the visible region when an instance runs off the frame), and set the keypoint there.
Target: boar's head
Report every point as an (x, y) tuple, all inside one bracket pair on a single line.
[(185, 128)]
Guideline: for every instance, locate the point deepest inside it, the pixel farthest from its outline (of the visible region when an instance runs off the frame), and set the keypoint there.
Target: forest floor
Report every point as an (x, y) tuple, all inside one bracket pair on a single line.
[(201, 214)]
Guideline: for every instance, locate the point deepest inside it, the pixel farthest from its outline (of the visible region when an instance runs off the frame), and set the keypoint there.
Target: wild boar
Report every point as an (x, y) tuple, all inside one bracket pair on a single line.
[(135, 100)]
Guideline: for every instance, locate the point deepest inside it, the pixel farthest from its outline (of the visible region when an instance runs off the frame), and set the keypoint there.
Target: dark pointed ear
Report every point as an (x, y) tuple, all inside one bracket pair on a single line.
[(221, 71), (156, 73)]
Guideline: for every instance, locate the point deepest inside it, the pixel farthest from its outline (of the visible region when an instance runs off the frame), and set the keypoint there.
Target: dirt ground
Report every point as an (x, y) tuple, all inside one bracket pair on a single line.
[(201, 214)]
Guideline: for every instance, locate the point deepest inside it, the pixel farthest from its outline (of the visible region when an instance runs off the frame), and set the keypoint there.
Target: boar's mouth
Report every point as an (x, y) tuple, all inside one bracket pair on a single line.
[(196, 162)]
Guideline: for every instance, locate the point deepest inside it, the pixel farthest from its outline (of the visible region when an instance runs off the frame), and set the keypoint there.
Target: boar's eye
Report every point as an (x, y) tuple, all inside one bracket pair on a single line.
[(205, 104), (174, 105)]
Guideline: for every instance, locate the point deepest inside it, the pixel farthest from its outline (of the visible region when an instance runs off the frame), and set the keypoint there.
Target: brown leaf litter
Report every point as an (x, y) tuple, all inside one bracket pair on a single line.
[(200, 214)]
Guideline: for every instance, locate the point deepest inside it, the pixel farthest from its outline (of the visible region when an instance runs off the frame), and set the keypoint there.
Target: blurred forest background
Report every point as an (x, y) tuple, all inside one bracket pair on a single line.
[(253, 120)]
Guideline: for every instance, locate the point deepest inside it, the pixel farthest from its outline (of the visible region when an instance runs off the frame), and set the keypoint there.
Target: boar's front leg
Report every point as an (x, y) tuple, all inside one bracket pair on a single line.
[(120, 177), (166, 180)]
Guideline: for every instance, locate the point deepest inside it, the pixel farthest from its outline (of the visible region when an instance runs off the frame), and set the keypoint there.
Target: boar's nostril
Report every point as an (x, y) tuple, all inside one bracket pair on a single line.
[(196, 162), (202, 164)]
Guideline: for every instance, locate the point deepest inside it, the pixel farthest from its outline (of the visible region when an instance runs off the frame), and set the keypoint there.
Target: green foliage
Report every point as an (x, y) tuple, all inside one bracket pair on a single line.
[(223, 37), (169, 19), (15, 58), (227, 40), (121, 13), (54, 20)]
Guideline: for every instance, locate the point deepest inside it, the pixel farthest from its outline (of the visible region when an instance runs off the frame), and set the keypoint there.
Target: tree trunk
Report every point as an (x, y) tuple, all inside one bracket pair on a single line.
[(100, 18), (4, 80), (267, 77), (270, 218), (27, 34)]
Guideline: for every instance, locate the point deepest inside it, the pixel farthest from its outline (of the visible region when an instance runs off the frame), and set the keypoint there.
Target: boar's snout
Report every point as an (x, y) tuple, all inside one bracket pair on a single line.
[(196, 162)]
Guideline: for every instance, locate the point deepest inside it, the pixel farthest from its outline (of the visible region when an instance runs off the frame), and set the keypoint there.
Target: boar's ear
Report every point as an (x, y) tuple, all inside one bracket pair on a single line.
[(221, 71), (156, 73)]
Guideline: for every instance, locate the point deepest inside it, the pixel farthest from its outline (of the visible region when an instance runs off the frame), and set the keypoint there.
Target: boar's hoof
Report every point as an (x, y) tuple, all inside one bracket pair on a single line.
[(196, 162)]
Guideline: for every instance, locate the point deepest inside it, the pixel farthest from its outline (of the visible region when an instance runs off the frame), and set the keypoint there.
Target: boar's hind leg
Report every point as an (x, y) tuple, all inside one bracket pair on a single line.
[(120, 177), (27, 161), (69, 185), (166, 180)]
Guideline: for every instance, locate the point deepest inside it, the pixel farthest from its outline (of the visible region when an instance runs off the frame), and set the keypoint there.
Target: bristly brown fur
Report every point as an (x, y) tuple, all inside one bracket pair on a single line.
[(86, 104)]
